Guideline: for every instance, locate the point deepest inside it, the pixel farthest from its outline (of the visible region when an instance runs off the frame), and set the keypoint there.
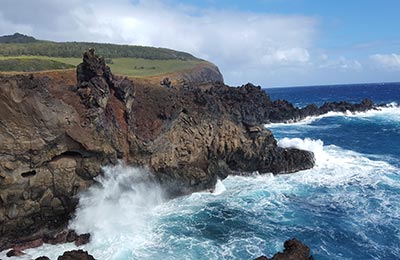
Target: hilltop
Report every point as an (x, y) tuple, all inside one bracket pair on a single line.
[(22, 53), (17, 38)]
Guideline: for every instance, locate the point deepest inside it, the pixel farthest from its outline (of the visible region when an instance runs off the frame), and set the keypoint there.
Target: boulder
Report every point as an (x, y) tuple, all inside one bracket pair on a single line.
[(294, 250), (76, 255)]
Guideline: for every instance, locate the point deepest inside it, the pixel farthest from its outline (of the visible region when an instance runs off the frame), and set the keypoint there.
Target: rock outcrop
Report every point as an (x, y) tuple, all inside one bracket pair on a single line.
[(294, 250), (57, 132), (283, 111)]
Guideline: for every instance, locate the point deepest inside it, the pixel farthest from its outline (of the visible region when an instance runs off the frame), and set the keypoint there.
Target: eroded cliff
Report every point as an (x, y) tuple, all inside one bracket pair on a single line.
[(56, 133)]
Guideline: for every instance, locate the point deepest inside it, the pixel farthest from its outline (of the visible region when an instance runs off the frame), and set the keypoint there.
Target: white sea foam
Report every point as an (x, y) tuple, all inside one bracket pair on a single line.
[(118, 212), (219, 188), (335, 165), (128, 217)]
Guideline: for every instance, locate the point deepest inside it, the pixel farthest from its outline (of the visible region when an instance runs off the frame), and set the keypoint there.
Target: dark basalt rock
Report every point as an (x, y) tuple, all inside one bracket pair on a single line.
[(58, 137), (42, 258), (96, 82), (283, 111), (294, 250), (76, 255), (66, 236)]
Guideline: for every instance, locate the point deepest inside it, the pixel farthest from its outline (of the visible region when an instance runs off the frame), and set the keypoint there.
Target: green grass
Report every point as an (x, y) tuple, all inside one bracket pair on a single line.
[(31, 64), (144, 67), (136, 67), (22, 53)]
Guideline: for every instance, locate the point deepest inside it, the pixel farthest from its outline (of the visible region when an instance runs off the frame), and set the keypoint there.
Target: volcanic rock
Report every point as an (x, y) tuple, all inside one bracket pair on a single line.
[(54, 139), (76, 255), (294, 250), (283, 111)]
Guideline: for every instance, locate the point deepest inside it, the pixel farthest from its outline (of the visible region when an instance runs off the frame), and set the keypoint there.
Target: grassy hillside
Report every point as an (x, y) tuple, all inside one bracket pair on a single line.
[(24, 64), (21, 53), (136, 67)]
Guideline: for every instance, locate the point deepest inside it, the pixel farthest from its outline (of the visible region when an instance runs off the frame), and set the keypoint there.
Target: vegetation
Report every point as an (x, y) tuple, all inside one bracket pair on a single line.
[(120, 66), (24, 53), (17, 38), (75, 49), (143, 67), (31, 64)]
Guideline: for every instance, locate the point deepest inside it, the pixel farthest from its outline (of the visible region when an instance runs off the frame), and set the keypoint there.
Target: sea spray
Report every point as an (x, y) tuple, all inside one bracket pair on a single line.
[(118, 212), (219, 188)]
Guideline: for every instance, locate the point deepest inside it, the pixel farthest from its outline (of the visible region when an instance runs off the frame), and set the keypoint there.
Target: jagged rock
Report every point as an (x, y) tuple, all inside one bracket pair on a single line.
[(294, 250), (283, 111), (76, 255), (42, 258), (54, 140), (65, 236), (166, 83), (82, 239), (94, 80)]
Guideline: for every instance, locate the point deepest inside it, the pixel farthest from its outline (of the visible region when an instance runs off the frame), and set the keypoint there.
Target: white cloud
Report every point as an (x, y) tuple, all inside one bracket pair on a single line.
[(242, 44), (386, 61), (341, 63), (291, 56), (267, 49)]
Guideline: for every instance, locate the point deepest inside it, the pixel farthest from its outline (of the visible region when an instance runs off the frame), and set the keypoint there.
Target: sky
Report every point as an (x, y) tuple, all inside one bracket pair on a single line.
[(267, 42)]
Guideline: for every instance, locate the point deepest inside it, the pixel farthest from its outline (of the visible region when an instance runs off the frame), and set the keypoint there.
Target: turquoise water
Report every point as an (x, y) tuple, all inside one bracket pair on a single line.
[(347, 207)]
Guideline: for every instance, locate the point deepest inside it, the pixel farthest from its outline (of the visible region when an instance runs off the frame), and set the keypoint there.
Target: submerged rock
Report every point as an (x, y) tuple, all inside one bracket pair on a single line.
[(294, 250)]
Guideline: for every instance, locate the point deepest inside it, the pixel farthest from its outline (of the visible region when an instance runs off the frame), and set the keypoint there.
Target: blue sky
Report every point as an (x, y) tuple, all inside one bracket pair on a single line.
[(267, 42), (344, 25)]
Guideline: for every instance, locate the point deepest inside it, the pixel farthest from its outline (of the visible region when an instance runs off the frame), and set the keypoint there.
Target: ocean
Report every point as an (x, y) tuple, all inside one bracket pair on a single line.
[(346, 207)]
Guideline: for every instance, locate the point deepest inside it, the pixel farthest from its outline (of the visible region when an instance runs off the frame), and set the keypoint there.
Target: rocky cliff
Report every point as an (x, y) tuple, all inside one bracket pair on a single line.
[(57, 131)]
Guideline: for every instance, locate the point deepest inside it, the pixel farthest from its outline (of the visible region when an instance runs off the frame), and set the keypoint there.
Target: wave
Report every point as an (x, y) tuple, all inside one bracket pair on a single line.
[(335, 165), (390, 112), (341, 197), (219, 188), (346, 195)]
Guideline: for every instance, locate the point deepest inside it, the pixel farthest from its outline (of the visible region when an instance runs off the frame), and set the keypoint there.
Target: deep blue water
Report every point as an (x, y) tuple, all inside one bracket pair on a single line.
[(302, 96), (347, 207)]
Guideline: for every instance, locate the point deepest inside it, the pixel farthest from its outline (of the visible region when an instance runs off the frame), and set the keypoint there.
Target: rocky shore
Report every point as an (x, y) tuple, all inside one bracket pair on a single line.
[(57, 131)]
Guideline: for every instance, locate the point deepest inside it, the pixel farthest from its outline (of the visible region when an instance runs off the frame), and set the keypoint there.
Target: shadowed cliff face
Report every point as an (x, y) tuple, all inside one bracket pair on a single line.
[(56, 133)]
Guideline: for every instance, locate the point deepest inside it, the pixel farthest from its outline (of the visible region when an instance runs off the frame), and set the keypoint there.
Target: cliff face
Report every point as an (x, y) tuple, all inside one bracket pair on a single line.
[(56, 133)]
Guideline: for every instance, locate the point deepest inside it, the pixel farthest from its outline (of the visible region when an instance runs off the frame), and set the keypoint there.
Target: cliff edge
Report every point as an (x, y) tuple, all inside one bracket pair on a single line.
[(56, 132)]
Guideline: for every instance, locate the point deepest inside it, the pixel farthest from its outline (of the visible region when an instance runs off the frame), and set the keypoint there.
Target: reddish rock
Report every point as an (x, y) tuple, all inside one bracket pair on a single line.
[(82, 239), (294, 250), (56, 137), (14, 252), (28, 244)]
